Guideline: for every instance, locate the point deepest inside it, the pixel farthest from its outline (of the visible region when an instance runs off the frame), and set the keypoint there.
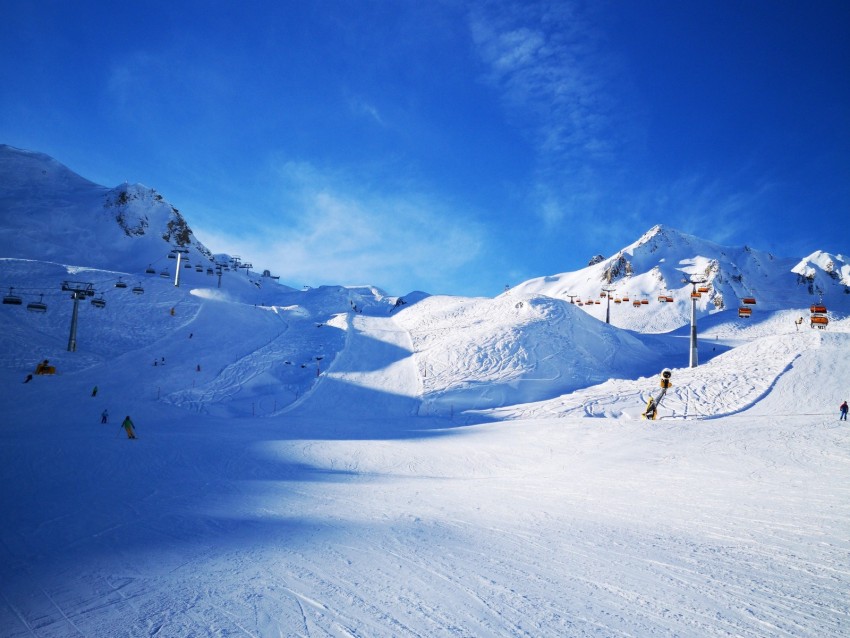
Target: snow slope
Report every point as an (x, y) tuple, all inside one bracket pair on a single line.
[(330, 462), (729, 521)]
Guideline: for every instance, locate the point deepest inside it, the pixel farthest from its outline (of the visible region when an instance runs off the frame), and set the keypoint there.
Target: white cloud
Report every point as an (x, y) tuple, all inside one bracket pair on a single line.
[(544, 59), (365, 109), (553, 76), (330, 230)]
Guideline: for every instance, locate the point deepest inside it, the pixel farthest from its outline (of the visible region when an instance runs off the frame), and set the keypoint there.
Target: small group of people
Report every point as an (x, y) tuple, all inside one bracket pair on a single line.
[(127, 423)]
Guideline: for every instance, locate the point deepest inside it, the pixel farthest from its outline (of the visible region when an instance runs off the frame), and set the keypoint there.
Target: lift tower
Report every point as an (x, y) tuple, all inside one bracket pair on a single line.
[(694, 280), (79, 290)]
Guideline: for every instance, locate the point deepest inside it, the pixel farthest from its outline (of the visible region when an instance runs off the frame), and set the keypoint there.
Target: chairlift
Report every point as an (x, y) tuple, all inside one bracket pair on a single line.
[(150, 270), (120, 284), (645, 302), (37, 306), (818, 309), (199, 268), (749, 301), (626, 298), (662, 298), (210, 271), (702, 289), (12, 299), (138, 290), (165, 274), (187, 265), (696, 294), (172, 255), (744, 312), (636, 303), (820, 321), (98, 302), (618, 300)]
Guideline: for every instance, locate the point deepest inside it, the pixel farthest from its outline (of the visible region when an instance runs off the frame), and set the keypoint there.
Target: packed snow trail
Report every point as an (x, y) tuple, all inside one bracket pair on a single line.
[(374, 376), (558, 527)]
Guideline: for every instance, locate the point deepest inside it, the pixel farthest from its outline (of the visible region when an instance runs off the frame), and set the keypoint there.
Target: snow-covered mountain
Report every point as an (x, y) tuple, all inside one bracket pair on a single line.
[(49, 213), (528, 344), (659, 264), (338, 462)]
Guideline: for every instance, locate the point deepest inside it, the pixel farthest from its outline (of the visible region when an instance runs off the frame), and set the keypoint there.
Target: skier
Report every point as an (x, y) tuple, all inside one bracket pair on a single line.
[(843, 410), (94, 391), (28, 379), (128, 426), (104, 417)]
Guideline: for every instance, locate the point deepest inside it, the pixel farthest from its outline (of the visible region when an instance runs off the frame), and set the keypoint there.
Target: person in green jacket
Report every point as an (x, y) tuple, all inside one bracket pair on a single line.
[(128, 426)]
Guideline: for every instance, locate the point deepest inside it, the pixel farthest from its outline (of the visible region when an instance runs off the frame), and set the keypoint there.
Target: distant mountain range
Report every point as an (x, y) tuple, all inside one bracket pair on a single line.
[(662, 263), (49, 213)]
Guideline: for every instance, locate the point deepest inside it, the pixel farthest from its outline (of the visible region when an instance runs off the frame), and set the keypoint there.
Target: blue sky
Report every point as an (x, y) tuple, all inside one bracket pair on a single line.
[(451, 147)]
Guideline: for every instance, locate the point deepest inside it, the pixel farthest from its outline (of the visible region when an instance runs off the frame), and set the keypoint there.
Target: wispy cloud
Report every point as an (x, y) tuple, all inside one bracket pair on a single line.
[(552, 74), (706, 207), (363, 108), (331, 230)]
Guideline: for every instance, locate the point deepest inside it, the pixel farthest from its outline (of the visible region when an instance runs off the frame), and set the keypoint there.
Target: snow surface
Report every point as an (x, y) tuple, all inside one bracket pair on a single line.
[(263, 500), (338, 462)]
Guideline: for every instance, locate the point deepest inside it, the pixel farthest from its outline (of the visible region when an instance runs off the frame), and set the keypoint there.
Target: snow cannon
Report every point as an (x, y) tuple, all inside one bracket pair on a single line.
[(45, 368), (651, 411)]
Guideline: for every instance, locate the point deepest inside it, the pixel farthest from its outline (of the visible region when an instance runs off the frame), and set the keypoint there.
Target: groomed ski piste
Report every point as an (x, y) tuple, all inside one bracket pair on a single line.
[(446, 467)]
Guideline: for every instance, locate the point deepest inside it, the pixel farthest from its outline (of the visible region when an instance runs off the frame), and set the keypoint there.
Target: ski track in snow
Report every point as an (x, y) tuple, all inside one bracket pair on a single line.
[(343, 513)]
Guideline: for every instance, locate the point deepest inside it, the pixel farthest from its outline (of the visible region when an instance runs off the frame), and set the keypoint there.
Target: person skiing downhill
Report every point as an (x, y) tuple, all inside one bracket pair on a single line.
[(128, 426), (842, 409)]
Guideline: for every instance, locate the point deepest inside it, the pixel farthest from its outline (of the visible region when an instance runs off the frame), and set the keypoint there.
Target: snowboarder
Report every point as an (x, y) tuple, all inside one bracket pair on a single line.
[(843, 411), (28, 379), (104, 417), (128, 426), (94, 391)]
